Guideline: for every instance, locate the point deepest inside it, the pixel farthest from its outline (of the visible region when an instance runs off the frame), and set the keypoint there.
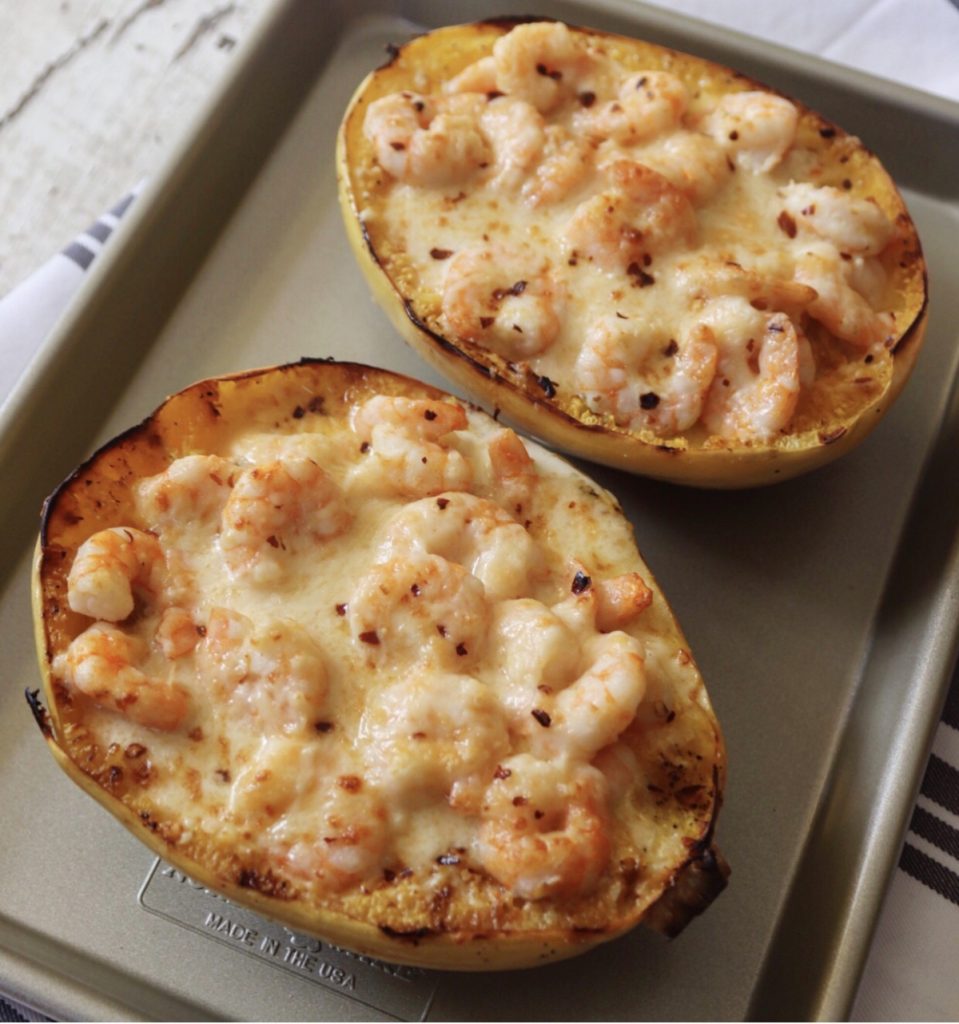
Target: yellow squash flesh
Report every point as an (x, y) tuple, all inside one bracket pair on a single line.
[(475, 923), (850, 395)]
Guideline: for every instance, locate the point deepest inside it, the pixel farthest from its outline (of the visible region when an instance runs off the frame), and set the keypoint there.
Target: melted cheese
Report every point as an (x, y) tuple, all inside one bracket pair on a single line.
[(670, 210), (351, 710)]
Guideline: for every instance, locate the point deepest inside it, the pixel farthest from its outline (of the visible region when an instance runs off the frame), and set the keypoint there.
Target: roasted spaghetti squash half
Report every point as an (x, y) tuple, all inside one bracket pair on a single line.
[(639, 256), (353, 654)]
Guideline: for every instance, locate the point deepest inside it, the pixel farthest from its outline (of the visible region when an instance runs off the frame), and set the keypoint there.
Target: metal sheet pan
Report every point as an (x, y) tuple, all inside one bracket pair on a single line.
[(822, 611)]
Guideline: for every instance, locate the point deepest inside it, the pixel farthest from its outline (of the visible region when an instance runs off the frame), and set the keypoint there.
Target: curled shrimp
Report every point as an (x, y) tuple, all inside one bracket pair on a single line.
[(176, 633), (504, 298), (347, 840), (111, 568), (642, 380), (406, 441), (480, 76), (271, 677), (695, 163), (854, 226), (756, 388), (271, 508), (649, 104), (419, 608), (707, 278), (756, 128), (564, 161), (595, 708), (469, 531), (427, 141), (529, 655), (192, 489), (513, 474), (641, 215), (605, 605), (541, 63), (431, 734), (517, 133), (103, 664), (838, 306), (544, 828)]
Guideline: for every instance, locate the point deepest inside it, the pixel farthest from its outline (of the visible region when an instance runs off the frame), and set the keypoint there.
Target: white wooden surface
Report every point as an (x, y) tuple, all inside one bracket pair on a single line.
[(92, 96)]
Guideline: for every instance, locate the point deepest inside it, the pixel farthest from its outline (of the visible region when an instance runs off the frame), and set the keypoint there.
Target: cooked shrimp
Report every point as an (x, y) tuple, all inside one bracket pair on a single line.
[(642, 215), (427, 141), (642, 380), (695, 163), (855, 226), (102, 663), (620, 768), (111, 568), (271, 508), (513, 474), (517, 132), (838, 306), (192, 489), (176, 633), (278, 770), (469, 531), (480, 76), (270, 677), (408, 449), (705, 278), (505, 298), (430, 733), (596, 707), (649, 103), (541, 63), (619, 600), (756, 128), (347, 840), (545, 828), (756, 388), (564, 162), (419, 608)]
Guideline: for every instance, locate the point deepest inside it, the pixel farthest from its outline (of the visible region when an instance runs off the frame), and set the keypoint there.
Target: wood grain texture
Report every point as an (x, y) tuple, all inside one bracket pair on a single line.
[(94, 95)]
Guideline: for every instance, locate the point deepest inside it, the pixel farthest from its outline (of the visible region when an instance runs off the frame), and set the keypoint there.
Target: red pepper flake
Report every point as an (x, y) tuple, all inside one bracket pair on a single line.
[(642, 81), (733, 135), (501, 772), (315, 404), (649, 400), (441, 254), (494, 94), (134, 750), (520, 801), (341, 609), (542, 717), (827, 133), (430, 415), (323, 727), (442, 503), (201, 630), (389, 875), (196, 734), (461, 650), (365, 447), (222, 774), (487, 321), (787, 224), (846, 184), (441, 629), (538, 814), (587, 98), (548, 386), (351, 783), (672, 348), (581, 582), (869, 358), (299, 412), (272, 541), (398, 146), (415, 590), (643, 279), (370, 637)]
